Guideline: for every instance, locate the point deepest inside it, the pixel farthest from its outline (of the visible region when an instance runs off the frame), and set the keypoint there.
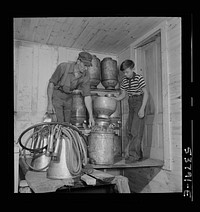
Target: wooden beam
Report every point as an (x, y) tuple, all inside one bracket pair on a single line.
[(54, 32), (33, 28), (88, 180), (65, 31)]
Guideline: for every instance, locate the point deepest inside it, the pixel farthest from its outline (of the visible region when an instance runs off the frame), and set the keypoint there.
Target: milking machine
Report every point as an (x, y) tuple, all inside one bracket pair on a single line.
[(58, 148)]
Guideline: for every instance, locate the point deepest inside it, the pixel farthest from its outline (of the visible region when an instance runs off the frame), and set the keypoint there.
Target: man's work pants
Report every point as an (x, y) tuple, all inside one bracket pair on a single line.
[(63, 106)]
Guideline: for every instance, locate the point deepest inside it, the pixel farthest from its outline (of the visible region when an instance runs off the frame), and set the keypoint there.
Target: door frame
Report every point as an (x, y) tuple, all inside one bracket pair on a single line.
[(152, 146), (162, 28)]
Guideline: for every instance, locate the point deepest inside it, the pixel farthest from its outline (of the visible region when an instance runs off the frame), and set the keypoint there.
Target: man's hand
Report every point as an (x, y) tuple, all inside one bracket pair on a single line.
[(91, 122), (50, 108), (88, 104)]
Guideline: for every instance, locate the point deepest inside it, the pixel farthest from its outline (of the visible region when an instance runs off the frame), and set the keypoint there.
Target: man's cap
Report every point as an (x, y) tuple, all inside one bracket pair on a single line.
[(86, 58)]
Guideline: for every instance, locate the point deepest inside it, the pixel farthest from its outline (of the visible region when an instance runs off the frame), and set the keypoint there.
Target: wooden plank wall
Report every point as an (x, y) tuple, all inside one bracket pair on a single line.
[(33, 66), (157, 180)]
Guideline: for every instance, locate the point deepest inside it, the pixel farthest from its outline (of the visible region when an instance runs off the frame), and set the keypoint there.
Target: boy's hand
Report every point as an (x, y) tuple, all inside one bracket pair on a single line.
[(141, 113), (114, 97)]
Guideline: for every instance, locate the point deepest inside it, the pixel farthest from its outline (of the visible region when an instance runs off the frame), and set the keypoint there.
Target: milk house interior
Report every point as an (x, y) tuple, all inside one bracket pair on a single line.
[(40, 45)]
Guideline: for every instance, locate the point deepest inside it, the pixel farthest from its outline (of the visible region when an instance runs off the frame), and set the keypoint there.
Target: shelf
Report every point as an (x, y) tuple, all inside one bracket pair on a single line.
[(121, 163)]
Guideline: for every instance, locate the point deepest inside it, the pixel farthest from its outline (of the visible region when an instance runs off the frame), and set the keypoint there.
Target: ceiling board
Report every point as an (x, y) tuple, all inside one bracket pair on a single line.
[(109, 35)]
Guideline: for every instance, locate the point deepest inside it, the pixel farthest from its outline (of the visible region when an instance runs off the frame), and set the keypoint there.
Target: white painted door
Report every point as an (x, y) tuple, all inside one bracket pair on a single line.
[(149, 58)]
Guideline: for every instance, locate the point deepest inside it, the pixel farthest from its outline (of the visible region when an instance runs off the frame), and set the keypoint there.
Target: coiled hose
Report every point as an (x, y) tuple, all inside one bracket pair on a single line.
[(76, 148)]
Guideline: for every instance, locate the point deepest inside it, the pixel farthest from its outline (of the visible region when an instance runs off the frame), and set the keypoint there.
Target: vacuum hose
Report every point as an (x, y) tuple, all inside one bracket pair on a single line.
[(54, 132)]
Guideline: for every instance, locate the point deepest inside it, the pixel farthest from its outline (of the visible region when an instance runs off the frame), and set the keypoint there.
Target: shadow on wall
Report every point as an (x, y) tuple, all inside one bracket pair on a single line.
[(139, 178)]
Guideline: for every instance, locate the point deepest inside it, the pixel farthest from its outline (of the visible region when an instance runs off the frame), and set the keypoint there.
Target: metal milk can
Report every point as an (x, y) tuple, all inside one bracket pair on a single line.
[(78, 115), (109, 73)]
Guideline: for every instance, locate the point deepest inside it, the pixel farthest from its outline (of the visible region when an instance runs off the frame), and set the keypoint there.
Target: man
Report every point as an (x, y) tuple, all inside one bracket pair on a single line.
[(66, 78), (134, 85)]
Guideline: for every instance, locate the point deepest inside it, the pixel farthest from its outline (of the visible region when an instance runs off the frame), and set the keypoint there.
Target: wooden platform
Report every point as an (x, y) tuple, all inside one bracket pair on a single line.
[(121, 163)]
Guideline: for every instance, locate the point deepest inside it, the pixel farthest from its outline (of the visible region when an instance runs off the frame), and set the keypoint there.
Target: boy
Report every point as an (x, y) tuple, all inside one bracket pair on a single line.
[(134, 85)]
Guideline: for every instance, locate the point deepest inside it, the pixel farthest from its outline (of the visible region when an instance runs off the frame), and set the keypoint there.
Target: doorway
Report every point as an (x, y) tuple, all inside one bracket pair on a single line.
[(149, 64)]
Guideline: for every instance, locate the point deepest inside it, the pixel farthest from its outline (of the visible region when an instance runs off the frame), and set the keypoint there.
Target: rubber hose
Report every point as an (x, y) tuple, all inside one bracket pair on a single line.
[(45, 123), (33, 150), (75, 149), (82, 148), (76, 144), (77, 152), (72, 152), (29, 165), (24, 147)]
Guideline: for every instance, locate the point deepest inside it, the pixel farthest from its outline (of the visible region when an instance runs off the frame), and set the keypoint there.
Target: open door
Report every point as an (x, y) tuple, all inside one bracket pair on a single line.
[(149, 65)]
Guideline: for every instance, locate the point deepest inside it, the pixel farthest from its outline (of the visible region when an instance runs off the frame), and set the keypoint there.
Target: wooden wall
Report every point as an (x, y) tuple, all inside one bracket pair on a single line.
[(33, 66), (156, 180)]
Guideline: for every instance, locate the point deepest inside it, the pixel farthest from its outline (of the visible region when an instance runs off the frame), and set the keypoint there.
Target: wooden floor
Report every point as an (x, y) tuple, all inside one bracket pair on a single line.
[(122, 163)]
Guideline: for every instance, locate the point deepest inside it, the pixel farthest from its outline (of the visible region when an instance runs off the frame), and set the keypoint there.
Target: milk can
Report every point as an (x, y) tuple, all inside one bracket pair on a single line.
[(78, 115), (101, 147), (109, 73), (95, 72)]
